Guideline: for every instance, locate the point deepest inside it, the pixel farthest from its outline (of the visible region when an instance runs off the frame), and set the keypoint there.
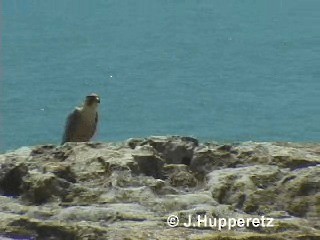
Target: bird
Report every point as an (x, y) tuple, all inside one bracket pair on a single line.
[(81, 124)]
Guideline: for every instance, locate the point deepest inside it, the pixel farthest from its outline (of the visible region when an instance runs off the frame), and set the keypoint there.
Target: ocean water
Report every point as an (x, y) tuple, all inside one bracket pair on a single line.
[(223, 70)]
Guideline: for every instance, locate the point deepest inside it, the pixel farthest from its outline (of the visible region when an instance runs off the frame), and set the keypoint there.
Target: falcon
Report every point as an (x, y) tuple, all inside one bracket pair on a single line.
[(82, 123)]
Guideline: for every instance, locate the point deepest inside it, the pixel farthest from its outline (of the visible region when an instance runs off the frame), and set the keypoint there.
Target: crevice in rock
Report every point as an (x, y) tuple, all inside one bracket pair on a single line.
[(12, 179)]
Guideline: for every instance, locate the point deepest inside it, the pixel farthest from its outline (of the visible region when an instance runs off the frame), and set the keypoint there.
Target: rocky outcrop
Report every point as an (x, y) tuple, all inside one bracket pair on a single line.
[(128, 190)]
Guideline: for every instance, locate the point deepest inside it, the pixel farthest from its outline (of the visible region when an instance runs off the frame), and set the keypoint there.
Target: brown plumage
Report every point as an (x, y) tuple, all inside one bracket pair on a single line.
[(82, 123)]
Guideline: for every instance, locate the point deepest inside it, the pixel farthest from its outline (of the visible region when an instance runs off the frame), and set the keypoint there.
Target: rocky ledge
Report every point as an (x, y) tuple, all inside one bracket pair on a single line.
[(128, 190)]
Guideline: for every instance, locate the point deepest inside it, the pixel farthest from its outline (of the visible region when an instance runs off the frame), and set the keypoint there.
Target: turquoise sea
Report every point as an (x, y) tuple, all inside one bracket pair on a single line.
[(223, 70)]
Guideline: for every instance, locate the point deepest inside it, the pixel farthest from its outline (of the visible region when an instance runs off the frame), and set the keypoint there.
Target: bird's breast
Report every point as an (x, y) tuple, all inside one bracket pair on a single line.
[(89, 118)]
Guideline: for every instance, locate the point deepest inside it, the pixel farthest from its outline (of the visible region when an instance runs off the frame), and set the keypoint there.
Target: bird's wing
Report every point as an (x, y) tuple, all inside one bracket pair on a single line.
[(71, 126), (95, 124)]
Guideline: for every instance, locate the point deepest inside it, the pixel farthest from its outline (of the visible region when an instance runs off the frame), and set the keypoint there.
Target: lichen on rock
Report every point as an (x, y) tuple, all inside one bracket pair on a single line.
[(128, 190)]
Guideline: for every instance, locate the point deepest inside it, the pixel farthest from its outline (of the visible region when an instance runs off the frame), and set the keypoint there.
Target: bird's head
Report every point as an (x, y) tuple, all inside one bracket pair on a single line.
[(92, 100)]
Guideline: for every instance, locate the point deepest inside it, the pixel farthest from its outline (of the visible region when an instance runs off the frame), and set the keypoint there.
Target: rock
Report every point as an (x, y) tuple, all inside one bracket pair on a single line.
[(180, 175), (148, 162), (39, 230), (302, 197), (206, 159), (42, 149), (174, 149), (40, 188), (133, 142), (61, 170), (11, 178), (128, 190)]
